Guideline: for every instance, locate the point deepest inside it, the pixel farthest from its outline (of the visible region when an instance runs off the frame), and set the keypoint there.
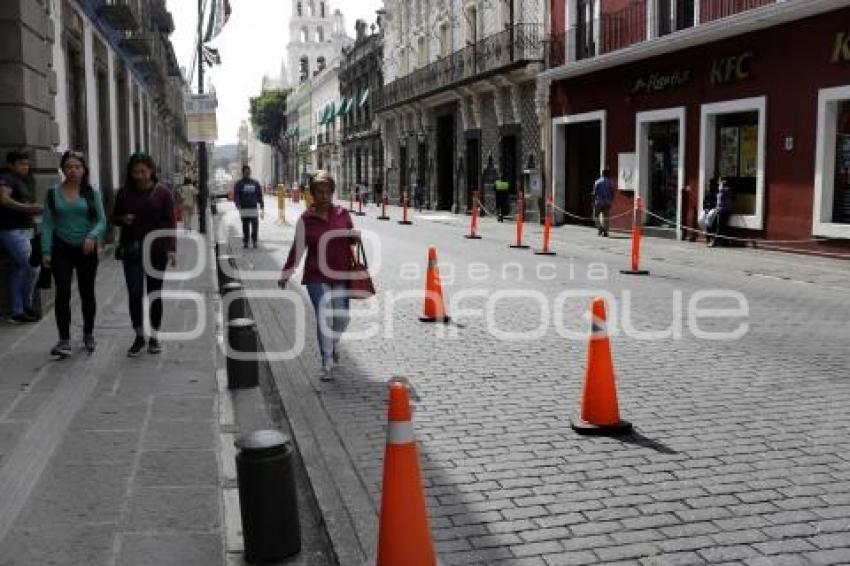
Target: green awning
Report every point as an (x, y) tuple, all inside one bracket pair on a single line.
[(340, 106), (330, 113), (346, 106), (364, 97)]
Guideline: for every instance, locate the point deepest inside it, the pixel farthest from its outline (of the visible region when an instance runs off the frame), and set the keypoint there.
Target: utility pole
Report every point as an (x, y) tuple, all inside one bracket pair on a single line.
[(203, 168)]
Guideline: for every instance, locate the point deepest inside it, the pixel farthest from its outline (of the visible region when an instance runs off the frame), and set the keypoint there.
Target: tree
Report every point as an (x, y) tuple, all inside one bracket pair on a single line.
[(268, 116)]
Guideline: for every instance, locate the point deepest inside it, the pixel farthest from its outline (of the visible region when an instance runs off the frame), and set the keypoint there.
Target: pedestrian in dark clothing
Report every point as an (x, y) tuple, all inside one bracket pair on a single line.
[(17, 209), (603, 196), (248, 196), (143, 207), (73, 224), (724, 211)]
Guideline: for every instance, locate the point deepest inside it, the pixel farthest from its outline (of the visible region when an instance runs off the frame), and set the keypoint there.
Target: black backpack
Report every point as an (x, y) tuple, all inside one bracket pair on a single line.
[(86, 192)]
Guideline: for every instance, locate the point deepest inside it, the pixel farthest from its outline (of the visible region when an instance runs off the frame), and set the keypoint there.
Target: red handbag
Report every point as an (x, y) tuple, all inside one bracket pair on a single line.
[(360, 283)]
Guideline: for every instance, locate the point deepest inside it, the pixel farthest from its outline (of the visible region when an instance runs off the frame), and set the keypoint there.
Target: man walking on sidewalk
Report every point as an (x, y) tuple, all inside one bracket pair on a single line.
[(248, 197), (603, 194)]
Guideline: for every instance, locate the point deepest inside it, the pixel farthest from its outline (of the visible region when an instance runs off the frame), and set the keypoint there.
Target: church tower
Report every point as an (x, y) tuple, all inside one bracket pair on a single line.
[(316, 38)]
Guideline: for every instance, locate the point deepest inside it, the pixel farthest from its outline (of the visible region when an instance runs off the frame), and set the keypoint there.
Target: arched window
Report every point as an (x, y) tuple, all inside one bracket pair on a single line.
[(300, 9), (322, 9), (320, 34), (312, 9), (305, 68), (305, 35), (320, 64)]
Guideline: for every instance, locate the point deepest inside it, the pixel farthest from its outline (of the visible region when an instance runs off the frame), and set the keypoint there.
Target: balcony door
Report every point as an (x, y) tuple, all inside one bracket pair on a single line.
[(585, 29)]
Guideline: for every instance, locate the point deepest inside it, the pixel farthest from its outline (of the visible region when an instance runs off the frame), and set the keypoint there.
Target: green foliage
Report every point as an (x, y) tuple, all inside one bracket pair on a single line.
[(268, 116)]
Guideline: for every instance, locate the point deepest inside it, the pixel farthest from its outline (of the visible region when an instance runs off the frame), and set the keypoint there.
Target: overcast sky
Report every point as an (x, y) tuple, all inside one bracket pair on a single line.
[(252, 44)]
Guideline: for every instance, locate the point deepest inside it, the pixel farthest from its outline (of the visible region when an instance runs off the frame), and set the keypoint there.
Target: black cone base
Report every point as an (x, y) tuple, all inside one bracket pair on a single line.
[(405, 222), (443, 320), (633, 272), (587, 429), (519, 247), (383, 218), (541, 252), (471, 237), (360, 214)]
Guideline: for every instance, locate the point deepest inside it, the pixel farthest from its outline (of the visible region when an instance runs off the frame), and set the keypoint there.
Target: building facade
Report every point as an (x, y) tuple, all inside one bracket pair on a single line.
[(676, 95), (317, 38), (94, 76), (360, 81), (459, 107)]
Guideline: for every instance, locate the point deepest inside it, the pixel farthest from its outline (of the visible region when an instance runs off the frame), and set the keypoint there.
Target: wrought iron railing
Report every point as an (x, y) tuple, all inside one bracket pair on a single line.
[(628, 26), (523, 43), (710, 10)]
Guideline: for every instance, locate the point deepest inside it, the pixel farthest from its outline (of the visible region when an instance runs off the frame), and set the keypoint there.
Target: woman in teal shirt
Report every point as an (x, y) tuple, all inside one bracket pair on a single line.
[(73, 224)]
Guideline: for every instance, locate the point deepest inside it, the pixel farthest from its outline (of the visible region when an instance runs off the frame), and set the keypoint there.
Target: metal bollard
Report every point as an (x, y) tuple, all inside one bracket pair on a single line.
[(271, 529), (225, 275), (242, 341), (233, 299)]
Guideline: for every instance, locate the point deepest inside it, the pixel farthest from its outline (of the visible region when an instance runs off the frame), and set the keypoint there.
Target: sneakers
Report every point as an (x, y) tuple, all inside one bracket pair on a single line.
[(154, 346), (137, 347), (62, 350), (327, 374), (89, 343)]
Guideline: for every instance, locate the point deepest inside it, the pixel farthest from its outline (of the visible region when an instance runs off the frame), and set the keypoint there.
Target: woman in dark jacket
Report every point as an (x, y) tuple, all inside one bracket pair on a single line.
[(143, 207)]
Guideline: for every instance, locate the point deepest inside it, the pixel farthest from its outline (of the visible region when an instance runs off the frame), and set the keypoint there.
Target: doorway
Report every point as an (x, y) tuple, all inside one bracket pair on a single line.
[(663, 145), (661, 170), (473, 169), (583, 165), (404, 181), (445, 161)]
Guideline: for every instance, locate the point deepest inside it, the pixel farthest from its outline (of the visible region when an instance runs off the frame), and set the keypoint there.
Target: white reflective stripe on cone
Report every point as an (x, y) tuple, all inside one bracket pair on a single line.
[(400, 432)]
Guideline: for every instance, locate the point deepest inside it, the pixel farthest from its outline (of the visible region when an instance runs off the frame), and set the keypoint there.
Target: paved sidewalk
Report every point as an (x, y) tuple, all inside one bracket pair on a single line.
[(106, 460), (741, 449)]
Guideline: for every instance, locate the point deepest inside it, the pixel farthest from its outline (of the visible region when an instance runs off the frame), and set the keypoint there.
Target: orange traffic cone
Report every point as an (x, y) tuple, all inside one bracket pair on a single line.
[(404, 536), (600, 412), (435, 310)]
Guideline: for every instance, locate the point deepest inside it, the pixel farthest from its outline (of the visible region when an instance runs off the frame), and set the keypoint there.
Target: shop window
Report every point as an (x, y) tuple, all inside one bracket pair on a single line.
[(675, 15), (736, 158), (832, 164), (841, 178), (732, 148)]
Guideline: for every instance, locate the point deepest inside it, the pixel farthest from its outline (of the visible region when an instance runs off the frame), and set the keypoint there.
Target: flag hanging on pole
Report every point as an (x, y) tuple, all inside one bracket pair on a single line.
[(219, 14), (211, 56)]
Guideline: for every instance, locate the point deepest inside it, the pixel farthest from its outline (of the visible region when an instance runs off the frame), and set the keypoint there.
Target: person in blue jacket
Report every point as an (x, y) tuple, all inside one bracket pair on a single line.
[(248, 197), (72, 227)]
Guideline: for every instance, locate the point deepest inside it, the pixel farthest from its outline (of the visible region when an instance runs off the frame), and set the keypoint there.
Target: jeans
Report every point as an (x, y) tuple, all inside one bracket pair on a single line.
[(601, 214), (137, 281), (65, 260), (332, 316), (502, 207), (250, 226), (23, 277)]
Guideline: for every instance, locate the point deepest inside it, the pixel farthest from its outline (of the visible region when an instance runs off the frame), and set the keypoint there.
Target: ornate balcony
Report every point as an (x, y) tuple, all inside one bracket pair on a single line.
[(711, 10), (494, 54), (119, 14), (136, 43)]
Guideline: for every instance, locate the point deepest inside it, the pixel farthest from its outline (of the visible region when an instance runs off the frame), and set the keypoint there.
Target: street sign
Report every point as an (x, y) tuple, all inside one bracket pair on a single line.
[(201, 117)]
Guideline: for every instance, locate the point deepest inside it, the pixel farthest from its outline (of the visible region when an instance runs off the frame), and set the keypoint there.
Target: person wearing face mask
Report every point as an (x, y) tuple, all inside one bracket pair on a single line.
[(144, 206), (73, 224)]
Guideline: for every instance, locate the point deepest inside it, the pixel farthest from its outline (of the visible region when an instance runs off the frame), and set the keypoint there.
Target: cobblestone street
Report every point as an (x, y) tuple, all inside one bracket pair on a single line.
[(740, 450)]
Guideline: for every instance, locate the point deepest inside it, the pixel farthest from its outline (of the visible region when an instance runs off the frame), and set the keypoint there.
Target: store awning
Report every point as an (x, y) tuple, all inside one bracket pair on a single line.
[(364, 97), (346, 106)]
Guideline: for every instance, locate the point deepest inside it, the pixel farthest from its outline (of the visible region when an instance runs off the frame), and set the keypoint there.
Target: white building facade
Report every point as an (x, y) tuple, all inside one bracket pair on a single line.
[(462, 72)]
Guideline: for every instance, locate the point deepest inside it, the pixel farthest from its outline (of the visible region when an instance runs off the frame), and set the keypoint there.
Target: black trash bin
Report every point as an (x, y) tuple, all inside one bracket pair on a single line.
[(234, 301), (267, 497), (242, 352)]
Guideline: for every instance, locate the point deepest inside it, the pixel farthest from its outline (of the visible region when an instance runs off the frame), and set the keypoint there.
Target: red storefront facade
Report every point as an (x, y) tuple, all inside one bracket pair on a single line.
[(764, 105)]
